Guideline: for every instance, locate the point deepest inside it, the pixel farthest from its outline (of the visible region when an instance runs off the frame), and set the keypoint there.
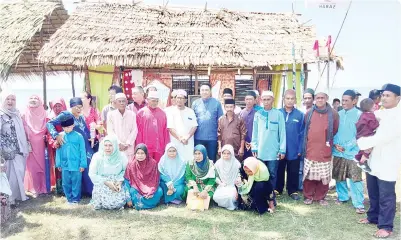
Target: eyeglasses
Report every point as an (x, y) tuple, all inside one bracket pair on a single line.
[(78, 107)]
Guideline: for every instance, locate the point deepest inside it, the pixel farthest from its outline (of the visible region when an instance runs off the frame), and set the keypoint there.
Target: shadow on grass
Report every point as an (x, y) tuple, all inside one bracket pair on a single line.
[(17, 225)]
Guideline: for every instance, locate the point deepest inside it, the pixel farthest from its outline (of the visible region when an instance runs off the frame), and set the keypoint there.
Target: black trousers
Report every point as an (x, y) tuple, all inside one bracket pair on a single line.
[(382, 202), (292, 167)]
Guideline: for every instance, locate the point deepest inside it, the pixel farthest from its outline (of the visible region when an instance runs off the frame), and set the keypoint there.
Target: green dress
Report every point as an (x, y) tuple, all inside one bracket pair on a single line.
[(207, 182)]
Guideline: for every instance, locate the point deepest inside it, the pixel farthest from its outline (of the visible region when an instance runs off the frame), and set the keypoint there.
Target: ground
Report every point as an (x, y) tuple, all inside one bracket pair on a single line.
[(49, 217)]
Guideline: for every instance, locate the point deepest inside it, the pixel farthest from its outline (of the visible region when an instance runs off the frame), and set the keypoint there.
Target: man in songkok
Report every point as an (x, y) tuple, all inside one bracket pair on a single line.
[(122, 123), (208, 110), (294, 127), (385, 162), (344, 150), (152, 125), (247, 114), (181, 123), (231, 130), (228, 94), (268, 136), (321, 124)]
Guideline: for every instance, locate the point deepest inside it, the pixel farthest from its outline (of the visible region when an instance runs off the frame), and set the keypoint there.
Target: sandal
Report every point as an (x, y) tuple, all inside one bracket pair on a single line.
[(308, 201), (338, 202), (382, 233), (323, 203), (360, 210), (364, 221)]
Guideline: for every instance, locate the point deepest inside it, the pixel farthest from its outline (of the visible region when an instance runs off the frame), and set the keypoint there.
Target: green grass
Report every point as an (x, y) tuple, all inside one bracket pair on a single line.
[(49, 217)]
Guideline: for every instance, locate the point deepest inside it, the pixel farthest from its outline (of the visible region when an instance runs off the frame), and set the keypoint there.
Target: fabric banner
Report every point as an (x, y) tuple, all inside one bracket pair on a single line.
[(100, 82), (227, 81), (128, 84)]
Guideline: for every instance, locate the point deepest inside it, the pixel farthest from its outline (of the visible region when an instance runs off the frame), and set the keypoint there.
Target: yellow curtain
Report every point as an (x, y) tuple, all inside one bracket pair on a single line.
[(277, 85), (100, 82)]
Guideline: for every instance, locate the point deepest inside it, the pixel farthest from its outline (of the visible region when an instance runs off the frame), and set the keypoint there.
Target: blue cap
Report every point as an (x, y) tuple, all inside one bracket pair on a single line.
[(350, 93), (66, 118)]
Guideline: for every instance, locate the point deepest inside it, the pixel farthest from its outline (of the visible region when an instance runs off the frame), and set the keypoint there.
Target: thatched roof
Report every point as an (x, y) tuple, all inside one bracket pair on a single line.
[(24, 27), (153, 36)]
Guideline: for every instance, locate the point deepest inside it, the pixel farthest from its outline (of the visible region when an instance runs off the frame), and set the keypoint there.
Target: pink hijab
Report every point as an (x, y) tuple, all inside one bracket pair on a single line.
[(60, 101), (35, 117)]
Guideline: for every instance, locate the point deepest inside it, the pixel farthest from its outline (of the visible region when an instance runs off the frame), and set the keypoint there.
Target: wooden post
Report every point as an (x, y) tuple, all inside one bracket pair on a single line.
[(87, 80), (306, 76), (254, 76), (196, 82), (72, 83), (44, 74)]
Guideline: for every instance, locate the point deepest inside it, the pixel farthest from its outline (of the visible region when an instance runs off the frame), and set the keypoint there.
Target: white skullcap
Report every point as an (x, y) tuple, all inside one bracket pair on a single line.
[(268, 93)]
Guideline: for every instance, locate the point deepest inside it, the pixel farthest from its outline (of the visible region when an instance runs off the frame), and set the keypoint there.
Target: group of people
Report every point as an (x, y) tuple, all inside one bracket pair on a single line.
[(239, 158)]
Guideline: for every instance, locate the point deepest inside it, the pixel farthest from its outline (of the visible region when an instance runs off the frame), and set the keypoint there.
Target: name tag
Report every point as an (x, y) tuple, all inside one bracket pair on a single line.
[(295, 120)]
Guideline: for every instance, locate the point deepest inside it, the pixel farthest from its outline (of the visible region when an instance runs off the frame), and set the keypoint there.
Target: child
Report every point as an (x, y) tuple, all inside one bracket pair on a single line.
[(71, 159), (365, 127)]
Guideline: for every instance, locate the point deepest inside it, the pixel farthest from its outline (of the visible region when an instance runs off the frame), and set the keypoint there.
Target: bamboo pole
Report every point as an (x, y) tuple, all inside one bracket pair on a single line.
[(254, 76), (196, 82)]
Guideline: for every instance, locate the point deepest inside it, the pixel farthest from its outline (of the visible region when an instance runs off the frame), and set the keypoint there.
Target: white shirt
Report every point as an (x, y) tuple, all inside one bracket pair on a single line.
[(385, 158), (182, 121)]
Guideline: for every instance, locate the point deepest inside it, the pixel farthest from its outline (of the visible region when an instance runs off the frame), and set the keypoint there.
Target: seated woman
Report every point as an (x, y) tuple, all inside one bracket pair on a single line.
[(106, 171), (142, 180), (255, 190), (200, 175), (227, 168), (172, 175)]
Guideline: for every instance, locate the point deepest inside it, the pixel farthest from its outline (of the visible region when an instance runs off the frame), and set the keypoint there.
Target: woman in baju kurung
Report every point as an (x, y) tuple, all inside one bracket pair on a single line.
[(14, 146), (107, 174), (200, 174), (34, 120), (142, 180), (172, 175), (255, 190), (92, 119), (80, 127), (57, 107), (228, 175)]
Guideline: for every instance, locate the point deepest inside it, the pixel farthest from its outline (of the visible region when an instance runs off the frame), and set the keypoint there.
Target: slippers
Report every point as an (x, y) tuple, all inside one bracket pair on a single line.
[(364, 221), (323, 203), (360, 210), (308, 201)]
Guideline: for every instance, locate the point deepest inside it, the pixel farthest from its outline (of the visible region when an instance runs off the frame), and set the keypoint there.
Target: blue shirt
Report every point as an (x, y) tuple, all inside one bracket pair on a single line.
[(72, 154), (346, 135), (271, 141), (207, 111), (294, 128)]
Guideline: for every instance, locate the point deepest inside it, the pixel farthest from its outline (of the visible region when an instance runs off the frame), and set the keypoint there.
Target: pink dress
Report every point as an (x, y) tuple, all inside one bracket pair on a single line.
[(35, 128), (93, 117)]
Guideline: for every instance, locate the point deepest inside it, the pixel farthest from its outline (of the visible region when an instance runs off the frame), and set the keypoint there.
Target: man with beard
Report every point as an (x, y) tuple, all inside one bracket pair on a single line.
[(231, 130), (122, 123), (321, 124)]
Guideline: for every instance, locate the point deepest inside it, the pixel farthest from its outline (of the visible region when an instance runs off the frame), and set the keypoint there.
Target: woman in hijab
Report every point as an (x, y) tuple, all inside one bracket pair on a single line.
[(142, 180), (228, 175), (57, 106), (14, 146), (34, 120), (106, 171), (80, 127), (172, 174), (255, 189), (200, 174)]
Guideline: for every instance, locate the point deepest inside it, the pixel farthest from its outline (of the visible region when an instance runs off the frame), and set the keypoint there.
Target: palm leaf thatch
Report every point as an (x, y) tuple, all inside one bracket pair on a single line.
[(24, 27), (152, 36)]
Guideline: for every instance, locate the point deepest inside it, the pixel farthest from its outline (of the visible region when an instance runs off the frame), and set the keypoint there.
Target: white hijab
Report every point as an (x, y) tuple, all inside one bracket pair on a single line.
[(228, 169)]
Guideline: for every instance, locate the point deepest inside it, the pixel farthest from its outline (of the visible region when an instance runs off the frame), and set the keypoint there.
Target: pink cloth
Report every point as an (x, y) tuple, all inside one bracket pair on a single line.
[(35, 128), (93, 117), (152, 129)]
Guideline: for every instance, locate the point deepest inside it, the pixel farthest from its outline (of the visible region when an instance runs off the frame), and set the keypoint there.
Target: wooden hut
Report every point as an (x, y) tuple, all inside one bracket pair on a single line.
[(24, 28), (188, 44)]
